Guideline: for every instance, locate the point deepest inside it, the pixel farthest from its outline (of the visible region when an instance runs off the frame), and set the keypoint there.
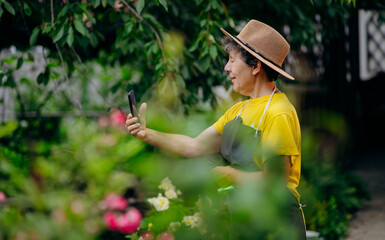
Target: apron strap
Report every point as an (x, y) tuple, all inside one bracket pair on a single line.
[(240, 112), (264, 111)]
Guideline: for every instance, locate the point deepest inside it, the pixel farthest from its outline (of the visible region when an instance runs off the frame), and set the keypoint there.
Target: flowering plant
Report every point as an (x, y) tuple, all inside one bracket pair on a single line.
[(169, 214)]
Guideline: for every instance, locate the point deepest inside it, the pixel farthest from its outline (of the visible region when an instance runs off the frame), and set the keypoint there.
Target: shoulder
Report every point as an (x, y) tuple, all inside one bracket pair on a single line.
[(281, 109), (281, 105)]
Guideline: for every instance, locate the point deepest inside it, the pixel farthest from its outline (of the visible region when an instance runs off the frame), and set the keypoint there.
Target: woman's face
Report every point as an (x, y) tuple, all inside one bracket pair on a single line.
[(240, 73)]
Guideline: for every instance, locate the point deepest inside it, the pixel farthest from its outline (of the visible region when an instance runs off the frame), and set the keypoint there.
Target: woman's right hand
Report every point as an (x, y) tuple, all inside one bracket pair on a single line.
[(133, 126)]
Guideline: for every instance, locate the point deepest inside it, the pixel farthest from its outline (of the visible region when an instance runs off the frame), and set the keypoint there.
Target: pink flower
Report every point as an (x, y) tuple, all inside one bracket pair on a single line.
[(113, 201), (110, 220), (118, 117), (3, 198), (130, 221), (165, 236)]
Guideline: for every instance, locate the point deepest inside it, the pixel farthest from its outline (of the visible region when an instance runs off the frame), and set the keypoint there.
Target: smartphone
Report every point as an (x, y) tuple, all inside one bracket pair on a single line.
[(132, 101)]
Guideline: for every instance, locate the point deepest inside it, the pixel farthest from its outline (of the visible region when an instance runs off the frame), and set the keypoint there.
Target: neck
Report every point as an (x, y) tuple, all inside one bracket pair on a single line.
[(262, 88)]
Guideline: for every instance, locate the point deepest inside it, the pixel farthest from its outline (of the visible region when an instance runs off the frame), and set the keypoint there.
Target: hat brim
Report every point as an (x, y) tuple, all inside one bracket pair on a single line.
[(269, 64)]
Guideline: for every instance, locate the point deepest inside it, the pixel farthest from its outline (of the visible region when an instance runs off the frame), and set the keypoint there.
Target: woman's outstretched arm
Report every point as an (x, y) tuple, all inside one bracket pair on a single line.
[(206, 143)]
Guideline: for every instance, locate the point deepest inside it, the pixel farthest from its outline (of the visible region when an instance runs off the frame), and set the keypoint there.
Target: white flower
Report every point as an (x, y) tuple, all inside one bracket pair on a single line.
[(160, 203), (171, 194), (188, 220), (174, 226), (195, 221), (166, 184)]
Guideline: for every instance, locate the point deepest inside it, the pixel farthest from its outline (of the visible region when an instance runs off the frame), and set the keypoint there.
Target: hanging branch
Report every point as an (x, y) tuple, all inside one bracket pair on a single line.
[(63, 65), (79, 59), (19, 99), (132, 10), (22, 15)]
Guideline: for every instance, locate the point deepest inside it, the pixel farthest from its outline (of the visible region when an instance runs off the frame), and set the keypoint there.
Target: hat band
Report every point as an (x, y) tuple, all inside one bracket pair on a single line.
[(260, 54)]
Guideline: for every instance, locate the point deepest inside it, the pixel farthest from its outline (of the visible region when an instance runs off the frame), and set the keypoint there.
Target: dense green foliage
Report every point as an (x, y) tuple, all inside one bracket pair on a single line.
[(164, 45)]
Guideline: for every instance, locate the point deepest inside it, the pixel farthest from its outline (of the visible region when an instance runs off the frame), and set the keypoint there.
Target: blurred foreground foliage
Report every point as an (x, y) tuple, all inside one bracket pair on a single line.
[(54, 189)]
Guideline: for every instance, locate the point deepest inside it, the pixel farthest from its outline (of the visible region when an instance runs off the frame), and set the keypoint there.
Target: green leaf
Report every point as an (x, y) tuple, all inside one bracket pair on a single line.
[(8, 128), (31, 57), (104, 3), (34, 35), (204, 51), (128, 28), (96, 3), (213, 51), (94, 40), (116, 87), (64, 11), (44, 77), (19, 62), (180, 80), (80, 27), (9, 7), (90, 17), (139, 6), (194, 46), (206, 64), (70, 37), (10, 82), (27, 9), (46, 28), (40, 78), (164, 4), (59, 35), (1, 78)]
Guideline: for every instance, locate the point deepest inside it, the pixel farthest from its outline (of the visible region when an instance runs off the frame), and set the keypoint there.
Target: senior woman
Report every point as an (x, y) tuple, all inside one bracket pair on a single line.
[(266, 119)]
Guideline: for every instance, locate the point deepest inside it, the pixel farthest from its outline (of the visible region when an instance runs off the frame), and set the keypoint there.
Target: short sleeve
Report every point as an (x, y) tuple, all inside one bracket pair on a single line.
[(281, 136), (220, 124), (228, 116)]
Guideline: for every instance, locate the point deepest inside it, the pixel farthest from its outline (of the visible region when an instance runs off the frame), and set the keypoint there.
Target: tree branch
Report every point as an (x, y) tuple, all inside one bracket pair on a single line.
[(132, 10), (52, 16), (68, 81), (19, 98), (79, 59), (22, 15), (63, 65)]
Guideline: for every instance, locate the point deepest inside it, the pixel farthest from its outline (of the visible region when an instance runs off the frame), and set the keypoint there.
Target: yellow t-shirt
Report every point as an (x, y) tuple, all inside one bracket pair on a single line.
[(280, 130)]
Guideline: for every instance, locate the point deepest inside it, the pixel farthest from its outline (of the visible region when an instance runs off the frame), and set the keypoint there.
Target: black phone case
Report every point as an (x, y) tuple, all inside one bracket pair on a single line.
[(132, 101)]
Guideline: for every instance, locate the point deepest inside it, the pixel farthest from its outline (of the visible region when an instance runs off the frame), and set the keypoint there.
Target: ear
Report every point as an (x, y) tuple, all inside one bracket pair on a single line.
[(257, 68)]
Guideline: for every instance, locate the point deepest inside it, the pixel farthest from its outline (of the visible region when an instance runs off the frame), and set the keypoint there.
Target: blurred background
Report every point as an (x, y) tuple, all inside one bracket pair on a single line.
[(66, 68)]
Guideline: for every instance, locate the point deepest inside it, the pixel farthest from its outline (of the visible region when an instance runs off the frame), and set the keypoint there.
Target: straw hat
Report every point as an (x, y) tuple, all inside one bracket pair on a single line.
[(265, 43)]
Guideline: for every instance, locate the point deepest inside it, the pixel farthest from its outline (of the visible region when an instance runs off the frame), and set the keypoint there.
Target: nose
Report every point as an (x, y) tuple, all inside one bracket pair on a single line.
[(228, 66)]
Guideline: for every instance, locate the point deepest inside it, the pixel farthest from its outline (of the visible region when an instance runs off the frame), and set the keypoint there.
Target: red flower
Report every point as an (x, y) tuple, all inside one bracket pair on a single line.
[(118, 117), (111, 221), (130, 221), (113, 201), (3, 198)]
